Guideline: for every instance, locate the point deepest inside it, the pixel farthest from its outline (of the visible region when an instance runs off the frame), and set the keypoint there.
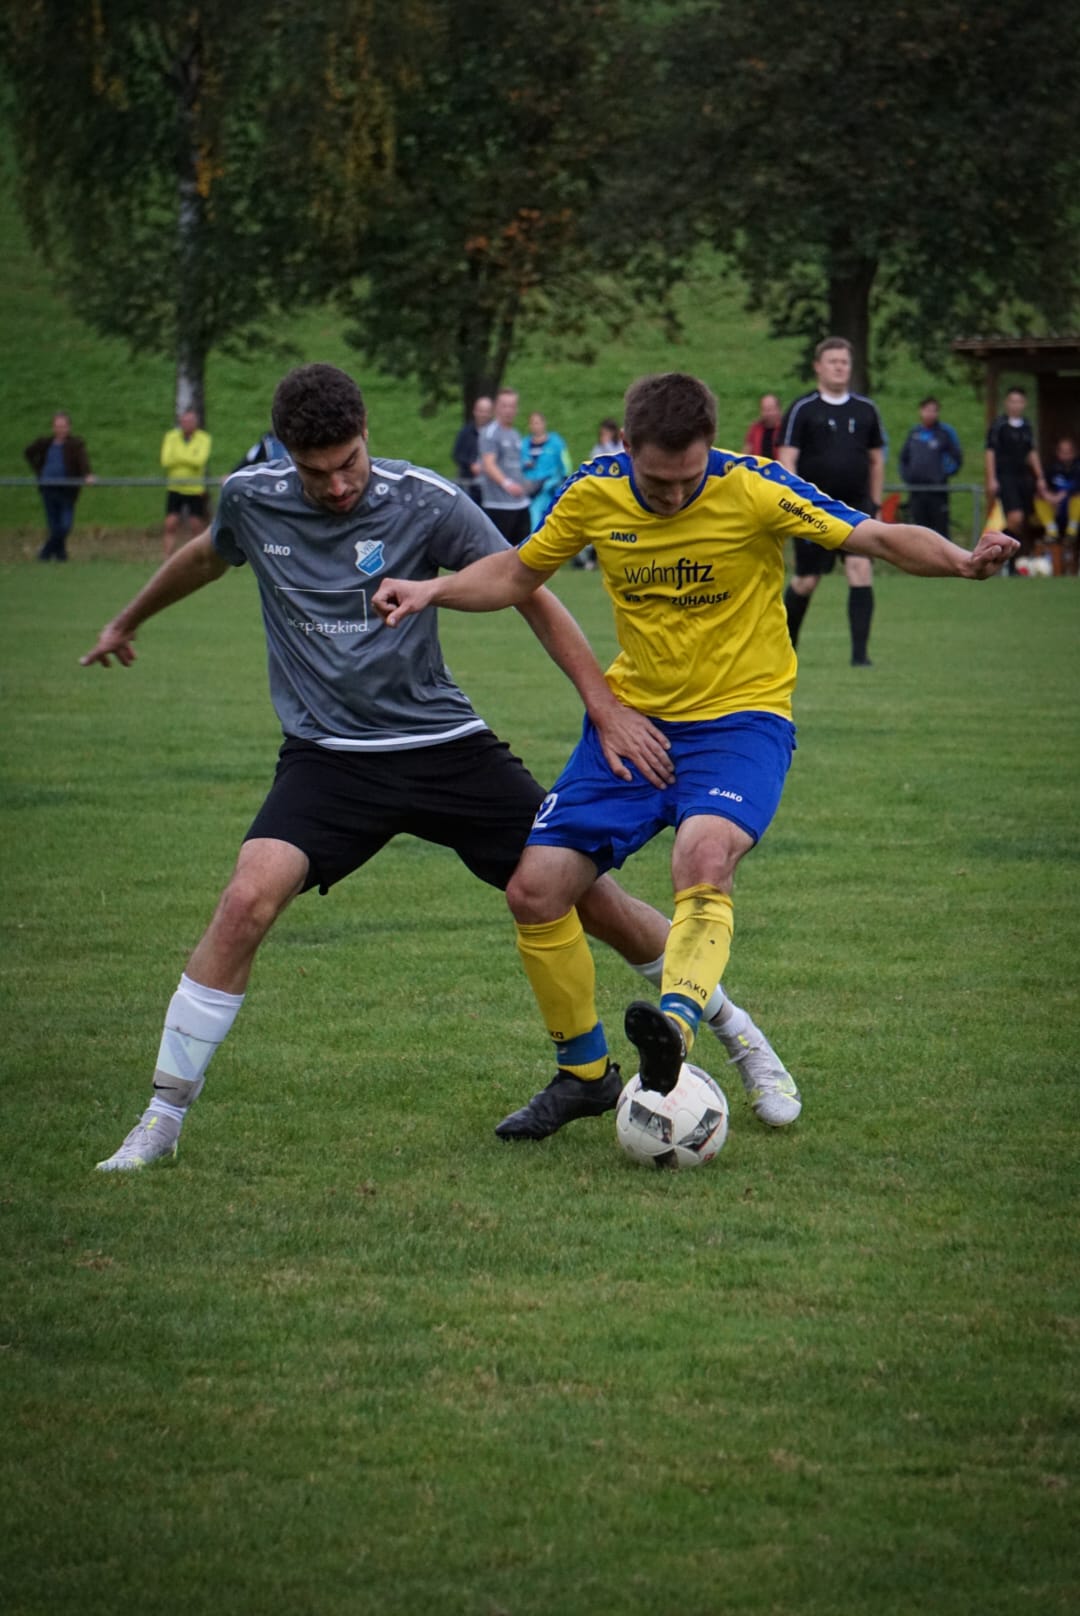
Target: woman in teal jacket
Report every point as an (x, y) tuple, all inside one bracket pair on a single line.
[(545, 462)]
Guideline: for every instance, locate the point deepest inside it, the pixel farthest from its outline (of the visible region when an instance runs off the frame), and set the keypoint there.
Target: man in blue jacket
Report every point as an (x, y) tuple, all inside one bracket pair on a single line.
[(930, 456)]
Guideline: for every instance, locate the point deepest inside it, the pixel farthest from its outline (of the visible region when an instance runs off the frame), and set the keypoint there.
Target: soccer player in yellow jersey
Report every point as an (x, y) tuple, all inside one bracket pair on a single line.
[(690, 542)]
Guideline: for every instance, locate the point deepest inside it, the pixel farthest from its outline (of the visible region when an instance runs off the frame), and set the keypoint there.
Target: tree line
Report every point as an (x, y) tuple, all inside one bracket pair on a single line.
[(455, 175)]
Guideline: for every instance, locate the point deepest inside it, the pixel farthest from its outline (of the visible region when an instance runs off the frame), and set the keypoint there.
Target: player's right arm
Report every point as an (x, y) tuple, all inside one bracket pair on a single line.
[(991, 472), (191, 567), (487, 585), (787, 450)]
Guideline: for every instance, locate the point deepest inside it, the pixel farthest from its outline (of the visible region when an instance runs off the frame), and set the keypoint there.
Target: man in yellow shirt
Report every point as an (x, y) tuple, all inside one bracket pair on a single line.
[(185, 452), (690, 543)]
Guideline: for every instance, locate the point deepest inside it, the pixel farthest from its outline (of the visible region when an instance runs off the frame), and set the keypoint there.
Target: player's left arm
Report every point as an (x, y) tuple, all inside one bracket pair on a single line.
[(926, 554), (877, 477), (624, 734)]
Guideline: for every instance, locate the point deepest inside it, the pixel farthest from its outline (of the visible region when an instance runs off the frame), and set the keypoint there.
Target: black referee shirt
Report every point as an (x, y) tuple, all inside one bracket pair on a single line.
[(1011, 446), (834, 443)]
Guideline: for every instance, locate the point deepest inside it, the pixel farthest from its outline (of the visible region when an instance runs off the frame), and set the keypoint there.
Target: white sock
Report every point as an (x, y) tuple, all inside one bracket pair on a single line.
[(653, 971), (197, 1021), (731, 1021)]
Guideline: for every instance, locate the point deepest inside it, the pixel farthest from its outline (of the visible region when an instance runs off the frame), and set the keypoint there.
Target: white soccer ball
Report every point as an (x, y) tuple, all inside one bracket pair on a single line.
[(685, 1128)]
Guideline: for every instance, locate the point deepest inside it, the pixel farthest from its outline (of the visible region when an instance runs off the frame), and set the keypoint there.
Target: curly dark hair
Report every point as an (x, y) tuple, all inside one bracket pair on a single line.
[(317, 407), (671, 411)]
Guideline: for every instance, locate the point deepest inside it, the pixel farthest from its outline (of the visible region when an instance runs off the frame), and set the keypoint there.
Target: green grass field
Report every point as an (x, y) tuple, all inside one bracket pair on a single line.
[(352, 1356)]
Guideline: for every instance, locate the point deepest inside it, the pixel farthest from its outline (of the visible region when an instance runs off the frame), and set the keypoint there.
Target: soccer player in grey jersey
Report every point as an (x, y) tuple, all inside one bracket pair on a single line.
[(379, 740)]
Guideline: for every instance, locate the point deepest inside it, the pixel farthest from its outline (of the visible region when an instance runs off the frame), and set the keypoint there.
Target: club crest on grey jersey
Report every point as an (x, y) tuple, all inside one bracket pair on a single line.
[(369, 556)]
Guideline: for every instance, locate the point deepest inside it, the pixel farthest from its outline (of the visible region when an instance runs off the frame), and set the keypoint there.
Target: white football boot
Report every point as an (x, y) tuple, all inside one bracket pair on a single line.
[(769, 1085), (153, 1139)]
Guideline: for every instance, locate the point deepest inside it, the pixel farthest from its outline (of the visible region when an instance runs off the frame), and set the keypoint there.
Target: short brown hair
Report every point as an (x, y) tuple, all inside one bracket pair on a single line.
[(672, 411), (317, 407), (828, 343)]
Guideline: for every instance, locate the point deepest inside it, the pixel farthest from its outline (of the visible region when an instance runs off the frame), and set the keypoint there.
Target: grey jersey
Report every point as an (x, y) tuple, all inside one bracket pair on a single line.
[(504, 442), (338, 675)]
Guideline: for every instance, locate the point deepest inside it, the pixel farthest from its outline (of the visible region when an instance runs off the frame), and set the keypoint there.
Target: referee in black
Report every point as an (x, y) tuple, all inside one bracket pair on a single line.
[(833, 438)]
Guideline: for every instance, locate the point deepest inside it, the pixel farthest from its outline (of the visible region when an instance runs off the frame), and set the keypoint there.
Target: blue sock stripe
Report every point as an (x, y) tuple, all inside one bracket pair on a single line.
[(675, 1004), (587, 1046)]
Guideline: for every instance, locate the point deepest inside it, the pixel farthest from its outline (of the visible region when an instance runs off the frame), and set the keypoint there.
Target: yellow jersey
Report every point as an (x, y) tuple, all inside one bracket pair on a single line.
[(698, 596), (185, 460)]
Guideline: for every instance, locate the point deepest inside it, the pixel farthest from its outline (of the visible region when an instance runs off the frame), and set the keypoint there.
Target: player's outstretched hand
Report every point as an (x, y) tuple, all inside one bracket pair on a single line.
[(627, 736), (112, 642), (991, 554), (397, 598)]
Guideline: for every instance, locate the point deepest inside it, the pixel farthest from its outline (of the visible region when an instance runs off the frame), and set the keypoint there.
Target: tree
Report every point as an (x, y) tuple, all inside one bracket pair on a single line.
[(177, 158), (501, 215), (904, 168)]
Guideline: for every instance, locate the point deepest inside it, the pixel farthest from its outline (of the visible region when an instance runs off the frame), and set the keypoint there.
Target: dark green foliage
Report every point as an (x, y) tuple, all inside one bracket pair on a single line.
[(174, 159), (505, 211), (912, 164)]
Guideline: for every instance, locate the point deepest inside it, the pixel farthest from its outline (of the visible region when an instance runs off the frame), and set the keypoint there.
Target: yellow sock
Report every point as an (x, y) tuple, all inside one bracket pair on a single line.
[(559, 965), (696, 955)]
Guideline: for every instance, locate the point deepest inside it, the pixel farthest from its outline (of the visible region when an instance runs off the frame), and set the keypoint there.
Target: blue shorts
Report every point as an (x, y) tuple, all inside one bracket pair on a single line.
[(733, 767)]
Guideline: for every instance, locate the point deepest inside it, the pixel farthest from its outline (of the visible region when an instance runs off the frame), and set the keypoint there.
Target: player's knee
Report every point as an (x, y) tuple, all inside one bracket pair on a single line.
[(245, 914), (530, 902)]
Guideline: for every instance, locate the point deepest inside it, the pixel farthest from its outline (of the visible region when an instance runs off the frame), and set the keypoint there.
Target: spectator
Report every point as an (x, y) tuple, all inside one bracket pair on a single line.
[(545, 463), (1060, 514), (608, 442), (609, 438), (833, 438), (61, 465), (1014, 473), (763, 435), (930, 456), (268, 448), (466, 450), (502, 491), (185, 453)]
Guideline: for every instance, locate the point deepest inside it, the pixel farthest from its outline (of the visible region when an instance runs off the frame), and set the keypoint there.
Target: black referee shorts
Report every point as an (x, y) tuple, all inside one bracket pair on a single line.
[(813, 560), (339, 808), (1017, 492)]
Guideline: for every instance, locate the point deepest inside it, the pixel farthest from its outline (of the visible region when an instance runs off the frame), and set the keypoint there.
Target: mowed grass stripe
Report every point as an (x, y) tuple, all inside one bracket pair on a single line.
[(354, 1355)]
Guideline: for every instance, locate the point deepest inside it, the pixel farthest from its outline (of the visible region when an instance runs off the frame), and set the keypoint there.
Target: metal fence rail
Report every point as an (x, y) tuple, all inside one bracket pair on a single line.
[(975, 491)]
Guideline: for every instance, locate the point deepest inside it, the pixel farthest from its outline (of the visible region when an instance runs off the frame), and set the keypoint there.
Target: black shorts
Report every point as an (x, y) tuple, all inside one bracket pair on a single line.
[(515, 526), (1017, 493), (340, 808), (813, 560), (195, 505)]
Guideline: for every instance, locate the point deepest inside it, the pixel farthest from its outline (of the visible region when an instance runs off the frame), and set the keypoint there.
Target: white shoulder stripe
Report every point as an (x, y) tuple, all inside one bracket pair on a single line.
[(433, 477), (263, 469), (795, 408), (419, 472)]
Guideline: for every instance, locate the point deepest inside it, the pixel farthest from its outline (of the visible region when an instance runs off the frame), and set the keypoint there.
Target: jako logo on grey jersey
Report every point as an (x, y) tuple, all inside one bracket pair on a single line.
[(369, 556)]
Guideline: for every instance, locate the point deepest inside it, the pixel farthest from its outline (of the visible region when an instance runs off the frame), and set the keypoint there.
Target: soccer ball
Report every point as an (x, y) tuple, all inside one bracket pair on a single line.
[(1035, 566), (685, 1128)]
